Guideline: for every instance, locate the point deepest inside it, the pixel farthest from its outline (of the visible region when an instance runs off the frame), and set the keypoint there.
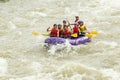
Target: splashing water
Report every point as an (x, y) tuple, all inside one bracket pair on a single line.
[(23, 56)]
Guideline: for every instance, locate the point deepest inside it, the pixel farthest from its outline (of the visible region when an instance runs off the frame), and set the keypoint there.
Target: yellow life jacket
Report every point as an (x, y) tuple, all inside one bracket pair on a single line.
[(82, 28), (62, 27)]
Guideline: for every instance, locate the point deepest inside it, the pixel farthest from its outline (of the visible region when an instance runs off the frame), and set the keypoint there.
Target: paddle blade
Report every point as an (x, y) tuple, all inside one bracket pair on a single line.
[(74, 35), (89, 35), (35, 33), (94, 32)]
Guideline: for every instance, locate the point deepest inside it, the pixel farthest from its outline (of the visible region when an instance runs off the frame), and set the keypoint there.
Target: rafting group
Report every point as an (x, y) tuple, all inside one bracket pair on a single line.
[(66, 31)]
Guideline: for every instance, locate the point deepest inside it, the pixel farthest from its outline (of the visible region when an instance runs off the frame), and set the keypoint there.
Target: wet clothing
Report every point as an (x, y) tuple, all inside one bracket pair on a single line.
[(82, 29), (75, 29), (78, 21), (60, 33), (66, 34), (54, 32), (65, 26)]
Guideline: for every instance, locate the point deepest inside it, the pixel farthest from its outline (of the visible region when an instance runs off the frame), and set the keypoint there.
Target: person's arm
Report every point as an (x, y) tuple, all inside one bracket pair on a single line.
[(58, 33), (48, 29), (72, 24), (79, 29), (68, 22), (85, 28), (72, 30)]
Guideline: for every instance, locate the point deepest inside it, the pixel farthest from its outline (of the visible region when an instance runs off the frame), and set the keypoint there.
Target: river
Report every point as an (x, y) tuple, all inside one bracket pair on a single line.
[(24, 57)]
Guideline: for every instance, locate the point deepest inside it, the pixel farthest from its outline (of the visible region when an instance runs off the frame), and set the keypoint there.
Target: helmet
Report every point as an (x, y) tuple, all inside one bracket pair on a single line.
[(59, 25), (64, 21), (81, 21)]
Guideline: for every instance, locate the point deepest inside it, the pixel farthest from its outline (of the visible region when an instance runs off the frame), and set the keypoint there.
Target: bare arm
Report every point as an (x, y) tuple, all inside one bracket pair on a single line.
[(58, 33), (48, 29), (68, 22), (85, 28)]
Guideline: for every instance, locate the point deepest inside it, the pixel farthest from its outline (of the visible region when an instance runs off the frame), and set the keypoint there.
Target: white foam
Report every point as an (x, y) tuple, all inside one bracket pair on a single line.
[(36, 66), (19, 33), (12, 26), (68, 46), (3, 66), (52, 50), (39, 37), (108, 3), (76, 71), (111, 73), (67, 10), (107, 43), (77, 77), (37, 13), (29, 14)]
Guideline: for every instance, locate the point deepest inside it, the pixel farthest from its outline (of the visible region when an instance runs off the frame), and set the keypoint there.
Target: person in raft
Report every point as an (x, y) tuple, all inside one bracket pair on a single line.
[(66, 23), (53, 31), (82, 28), (66, 32), (77, 19), (75, 30), (60, 30)]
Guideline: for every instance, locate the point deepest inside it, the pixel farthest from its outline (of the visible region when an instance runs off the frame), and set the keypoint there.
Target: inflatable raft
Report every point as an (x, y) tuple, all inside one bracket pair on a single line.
[(76, 41)]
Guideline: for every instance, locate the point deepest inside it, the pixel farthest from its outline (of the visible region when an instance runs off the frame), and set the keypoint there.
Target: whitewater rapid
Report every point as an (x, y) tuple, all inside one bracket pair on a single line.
[(23, 56)]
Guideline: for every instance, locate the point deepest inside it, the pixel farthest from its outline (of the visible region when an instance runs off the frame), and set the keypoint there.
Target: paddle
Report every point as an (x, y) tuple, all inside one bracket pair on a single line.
[(94, 32), (35, 33), (90, 35), (74, 35)]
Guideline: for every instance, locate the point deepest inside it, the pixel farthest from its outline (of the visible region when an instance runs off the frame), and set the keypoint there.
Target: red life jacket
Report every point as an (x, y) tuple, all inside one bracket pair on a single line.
[(54, 32), (76, 29), (78, 21), (60, 33), (67, 33)]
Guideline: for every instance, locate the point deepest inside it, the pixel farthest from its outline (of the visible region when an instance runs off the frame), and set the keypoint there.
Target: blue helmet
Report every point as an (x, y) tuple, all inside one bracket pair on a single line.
[(59, 25), (81, 21), (64, 21)]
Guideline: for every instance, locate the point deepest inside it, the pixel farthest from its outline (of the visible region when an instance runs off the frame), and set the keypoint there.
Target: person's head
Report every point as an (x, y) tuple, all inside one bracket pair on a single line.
[(64, 21), (77, 17), (55, 25), (81, 23), (65, 27), (59, 26)]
